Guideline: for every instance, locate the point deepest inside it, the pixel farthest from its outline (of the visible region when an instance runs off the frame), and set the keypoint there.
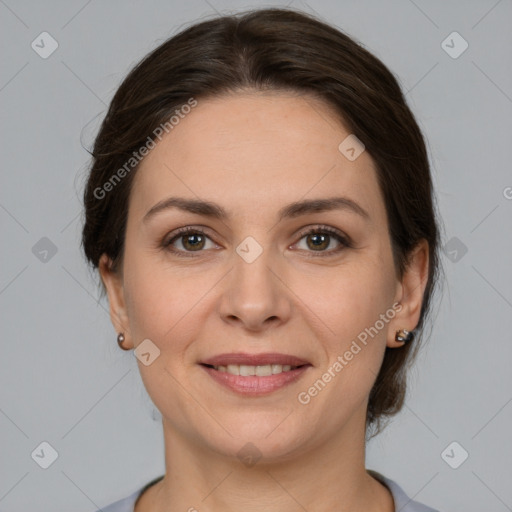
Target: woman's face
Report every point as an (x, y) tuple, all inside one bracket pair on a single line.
[(254, 282)]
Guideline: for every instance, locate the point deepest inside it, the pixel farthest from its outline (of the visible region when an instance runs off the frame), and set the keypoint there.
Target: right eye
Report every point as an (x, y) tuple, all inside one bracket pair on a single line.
[(191, 239)]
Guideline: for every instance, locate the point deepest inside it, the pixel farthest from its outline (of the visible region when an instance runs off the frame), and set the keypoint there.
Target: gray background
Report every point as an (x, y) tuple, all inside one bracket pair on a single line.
[(63, 378)]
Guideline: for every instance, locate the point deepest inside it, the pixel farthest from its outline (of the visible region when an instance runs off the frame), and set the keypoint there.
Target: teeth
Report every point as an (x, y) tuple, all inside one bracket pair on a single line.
[(263, 371), (245, 371), (234, 369), (260, 371)]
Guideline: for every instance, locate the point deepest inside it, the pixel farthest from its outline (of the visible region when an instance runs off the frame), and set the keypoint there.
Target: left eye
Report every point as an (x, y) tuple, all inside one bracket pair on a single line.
[(320, 239)]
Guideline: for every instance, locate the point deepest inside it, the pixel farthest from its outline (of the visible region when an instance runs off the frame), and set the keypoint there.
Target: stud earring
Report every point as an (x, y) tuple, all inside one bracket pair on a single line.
[(403, 335), (120, 341)]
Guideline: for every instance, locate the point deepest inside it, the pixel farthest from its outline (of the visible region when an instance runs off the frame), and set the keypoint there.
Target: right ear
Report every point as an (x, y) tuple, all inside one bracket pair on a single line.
[(115, 291)]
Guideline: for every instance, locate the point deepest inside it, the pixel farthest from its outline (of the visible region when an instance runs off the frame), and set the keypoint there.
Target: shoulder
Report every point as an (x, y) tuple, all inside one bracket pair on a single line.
[(402, 502), (125, 505), (128, 504)]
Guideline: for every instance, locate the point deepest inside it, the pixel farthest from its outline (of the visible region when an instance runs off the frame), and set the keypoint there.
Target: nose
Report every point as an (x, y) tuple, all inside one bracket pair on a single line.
[(255, 295)]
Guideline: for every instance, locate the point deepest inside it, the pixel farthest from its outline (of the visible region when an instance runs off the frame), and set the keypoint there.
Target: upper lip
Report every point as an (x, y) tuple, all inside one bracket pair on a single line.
[(254, 359)]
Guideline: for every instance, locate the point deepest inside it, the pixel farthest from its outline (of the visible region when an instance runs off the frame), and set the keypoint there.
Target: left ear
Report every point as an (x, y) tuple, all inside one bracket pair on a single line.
[(410, 294)]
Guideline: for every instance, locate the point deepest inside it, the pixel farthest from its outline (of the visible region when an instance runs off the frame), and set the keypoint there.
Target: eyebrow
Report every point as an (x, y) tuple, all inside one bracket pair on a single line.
[(292, 210)]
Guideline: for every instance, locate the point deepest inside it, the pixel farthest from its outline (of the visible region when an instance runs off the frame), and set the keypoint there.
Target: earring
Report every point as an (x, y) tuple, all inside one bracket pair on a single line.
[(120, 341), (404, 335)]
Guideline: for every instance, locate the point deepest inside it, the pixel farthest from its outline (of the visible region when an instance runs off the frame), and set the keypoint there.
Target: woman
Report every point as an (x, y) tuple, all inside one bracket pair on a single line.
[(261, 213)]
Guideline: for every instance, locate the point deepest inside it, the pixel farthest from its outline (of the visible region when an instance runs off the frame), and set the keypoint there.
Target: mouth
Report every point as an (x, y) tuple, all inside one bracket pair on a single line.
[(244, 370), (255, 374)]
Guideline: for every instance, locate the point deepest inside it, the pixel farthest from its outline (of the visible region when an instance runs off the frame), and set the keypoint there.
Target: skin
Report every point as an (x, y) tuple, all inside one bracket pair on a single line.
[(254, 153)]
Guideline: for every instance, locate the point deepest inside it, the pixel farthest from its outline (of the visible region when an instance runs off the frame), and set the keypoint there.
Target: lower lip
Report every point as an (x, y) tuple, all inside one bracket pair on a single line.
[(253, 385)]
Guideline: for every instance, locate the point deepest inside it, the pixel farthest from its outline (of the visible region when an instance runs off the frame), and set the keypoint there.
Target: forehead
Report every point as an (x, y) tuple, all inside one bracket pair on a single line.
[(252, 150)]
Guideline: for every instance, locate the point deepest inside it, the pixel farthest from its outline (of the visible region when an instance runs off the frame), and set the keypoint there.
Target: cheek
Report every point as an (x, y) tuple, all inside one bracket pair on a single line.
[(163, 302), (356, 306), (150, 299), (351, 299), (355, 342)]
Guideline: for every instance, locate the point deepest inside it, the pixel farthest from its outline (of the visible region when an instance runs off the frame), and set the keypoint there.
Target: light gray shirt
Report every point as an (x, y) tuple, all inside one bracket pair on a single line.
[(402, 502)]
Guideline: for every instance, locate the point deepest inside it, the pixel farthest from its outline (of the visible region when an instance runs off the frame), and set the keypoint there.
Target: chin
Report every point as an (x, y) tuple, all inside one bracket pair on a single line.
[(267, 437)]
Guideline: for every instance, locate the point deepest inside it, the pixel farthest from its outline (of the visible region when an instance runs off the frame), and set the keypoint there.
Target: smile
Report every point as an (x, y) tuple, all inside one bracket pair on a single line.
[(260, 371), (255, 380)]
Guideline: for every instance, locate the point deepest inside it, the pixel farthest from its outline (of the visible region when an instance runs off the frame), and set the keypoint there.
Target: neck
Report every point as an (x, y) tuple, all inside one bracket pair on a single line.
[(328, 475)]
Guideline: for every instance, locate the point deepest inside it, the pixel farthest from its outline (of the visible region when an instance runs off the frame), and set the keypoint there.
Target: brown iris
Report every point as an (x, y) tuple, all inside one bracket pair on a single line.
[(194, 246), (323, 239)]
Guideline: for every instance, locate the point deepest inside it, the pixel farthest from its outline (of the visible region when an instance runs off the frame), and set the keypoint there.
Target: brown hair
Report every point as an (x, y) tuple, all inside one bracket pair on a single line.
[(278, 50)]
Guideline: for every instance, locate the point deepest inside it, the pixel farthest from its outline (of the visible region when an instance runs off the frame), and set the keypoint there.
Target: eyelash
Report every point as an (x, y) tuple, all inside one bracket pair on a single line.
[(166, 244)]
